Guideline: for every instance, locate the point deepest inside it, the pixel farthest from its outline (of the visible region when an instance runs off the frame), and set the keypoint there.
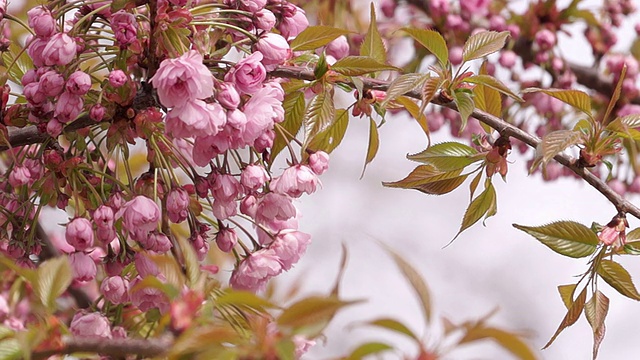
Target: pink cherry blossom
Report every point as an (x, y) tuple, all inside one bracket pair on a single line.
[(79, 83), (264, 20), (148, 298), (248, 74), (35, 50), (90, 325), (255, 270), (195, 118), (295, 181), (293, 23), (140, 216), (289, 246), (156, 241), (319, 162), (79, 234), (60, 50), (226, 239), (96, 113), (177, 203), (274, 48), (274, 206), (117, 78), (254, 177), (68, 107), (83, 267), (228, 96), (225, 187), (115, 289), (51, 83), (41, 21), (19, 175), (338, 48), (182, 79), (103, 217), (145, 266), (125, 27)]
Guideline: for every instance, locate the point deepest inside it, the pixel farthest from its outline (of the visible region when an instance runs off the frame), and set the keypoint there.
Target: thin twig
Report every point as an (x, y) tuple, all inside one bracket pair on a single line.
[(114, 347)]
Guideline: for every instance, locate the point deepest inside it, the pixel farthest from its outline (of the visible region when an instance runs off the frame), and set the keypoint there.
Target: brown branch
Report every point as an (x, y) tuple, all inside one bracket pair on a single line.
[(144, 348), (496, 123)]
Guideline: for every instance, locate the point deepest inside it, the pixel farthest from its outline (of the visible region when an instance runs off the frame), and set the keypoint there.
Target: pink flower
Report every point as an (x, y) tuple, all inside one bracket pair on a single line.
[(545, 39), (35, 50), (117, 78), (225, 187), (224, 209), (148, 298), (41, 21), (78, 83), (274, 48), (90, 325), (508, 59), (302, 345), (319, 162), (228, 96), (51, 83), (293, 23), (60, 50), (145, 266), (68, 107), (226, 239), (54, 128), (274, 206), (252, 5), (255, 270), (115, 289), (253, 177), (200, 245), (103, 217), (195, 118), (177, 203), (264, 20), (477, 8), (180, 80), (262, 111), (125, 27), (20, 175), (289, 246), (294, 181), (264, 141), (338, 48), (83, 267), (97, 112), (79, 234), (455, 55), (140, 216), (156, 241), (249, 205), (248, 74), (33, 94)]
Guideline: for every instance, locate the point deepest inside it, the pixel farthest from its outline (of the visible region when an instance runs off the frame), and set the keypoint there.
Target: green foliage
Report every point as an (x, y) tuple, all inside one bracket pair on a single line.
[(484, 43), (429, 180), (359, 65), (367, 349), (465, 106), (320, 113), (374, 144), (394, 325), (403, 84), (553, 144), (311, 315), (372, 45), (432, 41), (595, 310), (618, 278), (314, 37), (447, 156), (567, 238), (493, 83), (294, 106), (483, 205), (329, 138), (52, 280), (576, 98)]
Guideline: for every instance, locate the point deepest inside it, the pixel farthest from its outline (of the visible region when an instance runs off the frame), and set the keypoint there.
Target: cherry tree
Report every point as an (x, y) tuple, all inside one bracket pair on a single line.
[(160, 129)]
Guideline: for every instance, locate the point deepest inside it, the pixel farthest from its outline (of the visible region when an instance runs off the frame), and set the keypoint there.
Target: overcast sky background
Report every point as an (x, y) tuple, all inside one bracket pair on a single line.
[(485, 268)]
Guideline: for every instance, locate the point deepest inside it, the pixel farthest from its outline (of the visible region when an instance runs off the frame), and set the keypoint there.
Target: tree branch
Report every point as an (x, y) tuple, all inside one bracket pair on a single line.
[(115, 347)]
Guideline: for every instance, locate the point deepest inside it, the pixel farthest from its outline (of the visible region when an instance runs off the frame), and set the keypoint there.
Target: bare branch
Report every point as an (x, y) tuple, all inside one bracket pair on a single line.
[(115, 347)]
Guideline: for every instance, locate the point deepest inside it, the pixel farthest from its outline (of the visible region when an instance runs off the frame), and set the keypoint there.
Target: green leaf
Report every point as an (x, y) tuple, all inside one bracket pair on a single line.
[(447, 156), (10, 350), (329, 139), (286, 350), (413, 109), (618, 278), (596, 310), (367, 349), (573, 314), (404, 84), (53, 278), (615, 96), (567, 238), (429, 90), (243, 299), (311, 315), (374, 143), (394, 325), (465, 106), (428, 179), (416, 281), (554, 143), (493, 83), (372, 45), (432, 41), (319, 114), (359, 65), (509, 341), (483, 44), (474, 185), (576, 98), (566, 293), (191, 263), (622, 124), (314, 37), (478, 208), (485, 98), (293, 105)]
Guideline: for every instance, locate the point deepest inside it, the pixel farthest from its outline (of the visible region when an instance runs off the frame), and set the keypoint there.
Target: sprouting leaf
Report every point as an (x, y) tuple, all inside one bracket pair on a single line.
[(624, 123), (368, 349), (432, 41), (10, 350), (404, 84), (505, 339), (474, 185), (483, 44), (618, 278), (372, 45), (429, 90), (567, 238), (394, 325), (293, 105), (486, 98), (343, 266), (191, 263), (243, 299), (596, 311), (554, 143), (53, 278), (616, 95), (566, 293), (314, 37), (414, 110), (429, 180), (329, 139), (447, 156), (359, 65), (493, 83), (311, 315), (576, 98), (573, 314), (465, 106), (416, 281), (374, 143), (478, 208), (319, 114)]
